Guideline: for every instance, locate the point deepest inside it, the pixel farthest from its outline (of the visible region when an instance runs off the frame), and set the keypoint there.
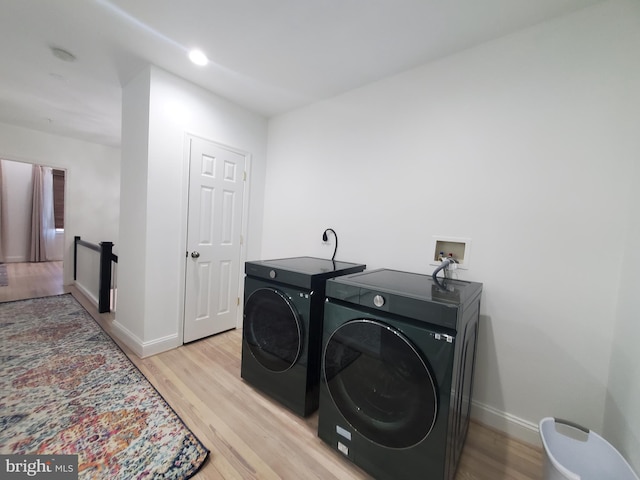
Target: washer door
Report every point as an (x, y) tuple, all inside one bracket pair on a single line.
[(272, 329), (380, 383)]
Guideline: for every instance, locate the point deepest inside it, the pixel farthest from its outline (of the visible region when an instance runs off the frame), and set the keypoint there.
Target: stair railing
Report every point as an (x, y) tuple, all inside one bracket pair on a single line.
[(105, 296)]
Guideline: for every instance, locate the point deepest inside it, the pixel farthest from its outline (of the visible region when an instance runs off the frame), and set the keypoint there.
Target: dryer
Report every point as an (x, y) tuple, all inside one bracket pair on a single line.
[(282, 327), (397, 372)]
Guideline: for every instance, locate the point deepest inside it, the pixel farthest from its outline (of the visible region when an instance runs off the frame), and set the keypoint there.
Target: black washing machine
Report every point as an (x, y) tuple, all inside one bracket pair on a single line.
[(282, 327), (397, 372)]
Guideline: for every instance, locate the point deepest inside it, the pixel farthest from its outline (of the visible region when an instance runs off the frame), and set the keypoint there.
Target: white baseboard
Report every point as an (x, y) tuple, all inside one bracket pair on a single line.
[(144, 349), (160, 345), (127, 337), (90, 296), (513, 426)]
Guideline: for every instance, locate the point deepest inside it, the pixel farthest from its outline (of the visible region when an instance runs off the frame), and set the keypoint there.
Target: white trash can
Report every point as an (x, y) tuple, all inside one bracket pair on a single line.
[(576, 453)]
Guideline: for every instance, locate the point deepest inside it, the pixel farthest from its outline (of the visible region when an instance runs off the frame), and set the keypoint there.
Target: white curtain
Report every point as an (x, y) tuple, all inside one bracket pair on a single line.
[(48, 218), (43, 229)]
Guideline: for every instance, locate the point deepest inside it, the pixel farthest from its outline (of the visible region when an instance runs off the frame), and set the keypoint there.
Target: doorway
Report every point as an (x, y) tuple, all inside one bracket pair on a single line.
[(31, 239)]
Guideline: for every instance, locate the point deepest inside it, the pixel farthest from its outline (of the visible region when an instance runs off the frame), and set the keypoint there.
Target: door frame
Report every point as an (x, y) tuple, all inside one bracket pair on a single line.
[(244, 227)]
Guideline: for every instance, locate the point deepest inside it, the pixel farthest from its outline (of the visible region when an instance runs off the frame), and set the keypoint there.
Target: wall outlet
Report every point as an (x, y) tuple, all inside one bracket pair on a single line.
[(458, 248)]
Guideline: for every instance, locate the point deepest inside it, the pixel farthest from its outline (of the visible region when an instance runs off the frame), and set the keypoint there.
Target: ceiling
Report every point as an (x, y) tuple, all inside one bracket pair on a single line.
[(269, 56)]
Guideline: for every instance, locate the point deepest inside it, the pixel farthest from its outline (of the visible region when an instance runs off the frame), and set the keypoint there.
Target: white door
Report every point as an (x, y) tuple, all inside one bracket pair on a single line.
[(216, 187)]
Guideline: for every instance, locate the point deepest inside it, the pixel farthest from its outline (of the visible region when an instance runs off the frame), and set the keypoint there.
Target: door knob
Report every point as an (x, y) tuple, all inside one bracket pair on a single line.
[(195, 254)]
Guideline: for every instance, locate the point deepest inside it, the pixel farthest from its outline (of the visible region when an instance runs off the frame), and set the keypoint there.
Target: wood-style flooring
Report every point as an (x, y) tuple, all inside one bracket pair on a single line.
[(32, 280), (250, 436)]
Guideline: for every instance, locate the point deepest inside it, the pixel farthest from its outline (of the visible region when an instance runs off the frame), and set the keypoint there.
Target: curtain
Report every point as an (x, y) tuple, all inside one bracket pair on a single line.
[(48, 216), (2, 227), (42, 220)]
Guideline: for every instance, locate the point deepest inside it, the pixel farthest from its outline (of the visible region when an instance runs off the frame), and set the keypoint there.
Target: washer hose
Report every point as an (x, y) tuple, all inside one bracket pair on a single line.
[(445, 263)]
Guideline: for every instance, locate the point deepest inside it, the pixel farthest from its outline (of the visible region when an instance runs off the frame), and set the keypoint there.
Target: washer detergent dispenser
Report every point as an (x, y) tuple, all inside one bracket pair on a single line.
[(397, 372), (282, 328)]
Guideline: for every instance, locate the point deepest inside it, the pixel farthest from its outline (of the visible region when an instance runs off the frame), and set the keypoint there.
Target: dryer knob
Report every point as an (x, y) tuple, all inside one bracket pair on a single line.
[(272, 274), (378, 300)]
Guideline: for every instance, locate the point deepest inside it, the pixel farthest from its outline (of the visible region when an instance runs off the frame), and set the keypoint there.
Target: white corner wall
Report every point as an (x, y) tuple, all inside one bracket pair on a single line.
[(524, 145), (159, 110), (92, 182), (132, 275)]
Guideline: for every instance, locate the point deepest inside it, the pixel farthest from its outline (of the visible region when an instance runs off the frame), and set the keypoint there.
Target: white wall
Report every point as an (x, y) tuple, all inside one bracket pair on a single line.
[(16, 184), (159, 111), (622, 414), (521, 144), (92, 182)]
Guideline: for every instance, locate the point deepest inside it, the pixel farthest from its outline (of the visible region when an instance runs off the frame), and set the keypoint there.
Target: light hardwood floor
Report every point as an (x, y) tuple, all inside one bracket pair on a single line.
[(31, 280), (250, 436)]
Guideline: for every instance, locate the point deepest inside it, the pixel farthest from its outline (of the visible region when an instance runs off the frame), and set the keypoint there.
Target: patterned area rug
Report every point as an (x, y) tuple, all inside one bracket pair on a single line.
[(4, 278), (67, 388)]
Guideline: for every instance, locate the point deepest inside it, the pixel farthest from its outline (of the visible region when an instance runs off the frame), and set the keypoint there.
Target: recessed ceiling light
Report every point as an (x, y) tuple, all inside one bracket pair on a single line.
[(63, 54), (197, 57)]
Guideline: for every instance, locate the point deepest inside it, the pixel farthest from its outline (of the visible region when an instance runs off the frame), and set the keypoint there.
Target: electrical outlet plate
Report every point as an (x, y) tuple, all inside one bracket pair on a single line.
[(459, 247)]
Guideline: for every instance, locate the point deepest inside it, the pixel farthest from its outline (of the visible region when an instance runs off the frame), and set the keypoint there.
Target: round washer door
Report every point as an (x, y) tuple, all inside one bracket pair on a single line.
[(380, 383), (272, 329)]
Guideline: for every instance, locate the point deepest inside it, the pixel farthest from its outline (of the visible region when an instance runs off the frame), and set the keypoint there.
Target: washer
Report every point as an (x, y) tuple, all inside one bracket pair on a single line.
[(282, 327), (397, 372)]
